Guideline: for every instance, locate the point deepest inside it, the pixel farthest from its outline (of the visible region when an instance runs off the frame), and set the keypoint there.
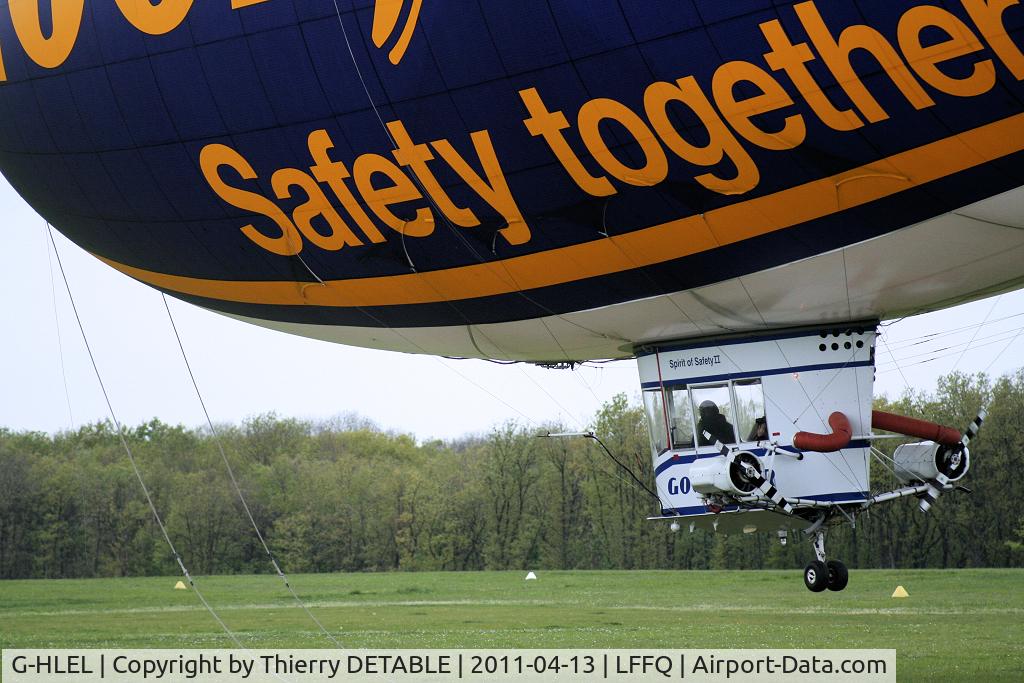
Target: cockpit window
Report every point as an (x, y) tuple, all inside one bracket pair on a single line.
[(680, 424), (750, 414), (730, 412), (654, 405), (712, 407)]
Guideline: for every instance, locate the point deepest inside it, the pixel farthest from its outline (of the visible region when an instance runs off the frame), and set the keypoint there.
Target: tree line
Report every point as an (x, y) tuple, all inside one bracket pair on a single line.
[(343, 495)]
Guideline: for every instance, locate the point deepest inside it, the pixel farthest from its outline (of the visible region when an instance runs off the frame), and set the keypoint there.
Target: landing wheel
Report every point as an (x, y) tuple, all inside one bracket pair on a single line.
[(816, 576), (838, 576)]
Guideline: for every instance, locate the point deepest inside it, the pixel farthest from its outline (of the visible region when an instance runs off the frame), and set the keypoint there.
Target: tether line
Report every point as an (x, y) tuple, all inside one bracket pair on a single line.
[(131, 456), (234, 482)]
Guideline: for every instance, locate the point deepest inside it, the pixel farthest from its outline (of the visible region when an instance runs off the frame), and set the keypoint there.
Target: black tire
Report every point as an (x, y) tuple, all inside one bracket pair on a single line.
[(816, 576), (838, 575)]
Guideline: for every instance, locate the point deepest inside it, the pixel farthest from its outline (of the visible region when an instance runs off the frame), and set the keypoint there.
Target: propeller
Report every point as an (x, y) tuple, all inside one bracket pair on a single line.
[(748, 469), (954, 460)]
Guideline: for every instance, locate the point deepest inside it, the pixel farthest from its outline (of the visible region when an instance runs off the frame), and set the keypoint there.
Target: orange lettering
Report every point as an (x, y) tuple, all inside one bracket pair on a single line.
[(925, 60), (334, 173), (496, 192), (785, 56), (740, 112), (722, 142), (988, 17), (836, 54), (210, 160), (416, 156), (315, 206), (595, 112), (549, 125), (401, 190), (67, 21), (158, 19)]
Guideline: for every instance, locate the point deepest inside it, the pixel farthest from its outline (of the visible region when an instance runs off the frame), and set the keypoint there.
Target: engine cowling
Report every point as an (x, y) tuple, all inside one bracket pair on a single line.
[(926, 460), (725, 475)]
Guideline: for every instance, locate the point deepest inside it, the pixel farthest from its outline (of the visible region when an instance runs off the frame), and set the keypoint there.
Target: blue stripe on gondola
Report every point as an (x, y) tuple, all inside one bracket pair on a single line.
[(688, 458), (755, 373)]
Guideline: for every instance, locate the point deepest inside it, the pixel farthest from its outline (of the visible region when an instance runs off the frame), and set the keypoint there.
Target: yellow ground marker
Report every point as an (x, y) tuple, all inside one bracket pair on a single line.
[(900, 592), (180, 586)]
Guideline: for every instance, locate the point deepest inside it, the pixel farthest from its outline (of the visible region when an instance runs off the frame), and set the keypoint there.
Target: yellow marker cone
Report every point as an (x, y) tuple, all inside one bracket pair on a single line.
[(180, 586), (900, 592)]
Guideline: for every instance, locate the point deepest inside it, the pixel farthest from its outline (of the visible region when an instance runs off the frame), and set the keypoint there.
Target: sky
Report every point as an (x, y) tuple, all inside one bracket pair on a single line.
[(243, 370)]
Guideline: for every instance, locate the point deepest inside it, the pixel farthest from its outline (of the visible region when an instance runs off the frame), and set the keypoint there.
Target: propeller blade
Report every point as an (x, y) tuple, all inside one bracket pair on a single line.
[(769, 490), (936, 485), (932, 494), (722, 448), (972, 429), (755, 477), (773, 493)]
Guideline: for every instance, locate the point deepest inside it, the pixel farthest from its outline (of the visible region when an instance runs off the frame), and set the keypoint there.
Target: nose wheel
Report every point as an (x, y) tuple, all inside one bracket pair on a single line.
[(820, 574)]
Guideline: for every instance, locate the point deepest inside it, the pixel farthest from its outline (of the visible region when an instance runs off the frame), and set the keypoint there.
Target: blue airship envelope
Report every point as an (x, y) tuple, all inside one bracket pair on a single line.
[(535, 180)]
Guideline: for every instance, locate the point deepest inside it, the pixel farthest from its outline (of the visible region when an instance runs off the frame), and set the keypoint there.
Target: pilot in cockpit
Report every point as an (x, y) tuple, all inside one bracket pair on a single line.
[(713, 422), (759, 432)]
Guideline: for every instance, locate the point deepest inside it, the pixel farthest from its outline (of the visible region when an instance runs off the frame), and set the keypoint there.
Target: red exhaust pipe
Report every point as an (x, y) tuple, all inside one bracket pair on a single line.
[(909, 426), (826, 443)]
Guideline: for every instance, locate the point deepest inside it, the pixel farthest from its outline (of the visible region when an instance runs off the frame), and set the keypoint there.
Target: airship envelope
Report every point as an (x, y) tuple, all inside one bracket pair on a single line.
[(535, 180)]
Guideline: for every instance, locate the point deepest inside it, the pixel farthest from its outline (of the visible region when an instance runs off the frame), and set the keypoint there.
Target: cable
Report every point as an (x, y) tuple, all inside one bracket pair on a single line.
[(486, 391), (1005, 348), (979, 346), (234, 481), (131, 456), (932, 336), (56, 322), (952, 347), (895, 362), (881, 456), (987, 316), (554, 400), (627, 470)]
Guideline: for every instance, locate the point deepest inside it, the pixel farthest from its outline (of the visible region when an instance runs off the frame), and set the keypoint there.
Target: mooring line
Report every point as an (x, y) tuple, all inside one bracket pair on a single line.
[(234, 482), (131, 457)]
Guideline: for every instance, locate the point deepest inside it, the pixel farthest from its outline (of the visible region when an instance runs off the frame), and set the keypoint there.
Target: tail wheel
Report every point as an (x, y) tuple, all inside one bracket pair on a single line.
[(816, 576), (838, 575)]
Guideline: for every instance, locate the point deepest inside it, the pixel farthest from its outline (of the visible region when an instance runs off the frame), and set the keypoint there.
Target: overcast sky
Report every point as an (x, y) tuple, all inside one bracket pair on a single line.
[(245, 370)]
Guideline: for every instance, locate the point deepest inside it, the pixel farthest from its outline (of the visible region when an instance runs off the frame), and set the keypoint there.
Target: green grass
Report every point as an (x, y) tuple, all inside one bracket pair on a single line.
[(956, 625)]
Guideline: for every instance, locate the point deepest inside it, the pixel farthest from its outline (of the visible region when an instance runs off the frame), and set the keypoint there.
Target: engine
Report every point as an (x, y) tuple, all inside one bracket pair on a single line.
[(926, 460), (725, 475)]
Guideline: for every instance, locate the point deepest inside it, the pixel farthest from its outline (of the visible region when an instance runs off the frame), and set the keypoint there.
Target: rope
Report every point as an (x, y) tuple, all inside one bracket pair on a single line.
[(978, 329), (234, 482), (56, 322), (952, 348), (896, 363), (619, 463), (932, 336), (1016, 334), (131, 456), (1005, 348)]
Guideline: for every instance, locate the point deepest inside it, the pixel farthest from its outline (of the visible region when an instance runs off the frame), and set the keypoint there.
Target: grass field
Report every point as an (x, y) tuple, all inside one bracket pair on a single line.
[(956, 625)]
